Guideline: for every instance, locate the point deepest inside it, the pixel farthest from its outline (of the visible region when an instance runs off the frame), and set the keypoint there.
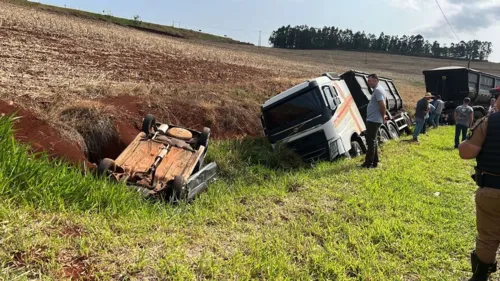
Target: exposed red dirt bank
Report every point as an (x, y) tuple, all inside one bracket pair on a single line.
[(41, 136), (224, 121)]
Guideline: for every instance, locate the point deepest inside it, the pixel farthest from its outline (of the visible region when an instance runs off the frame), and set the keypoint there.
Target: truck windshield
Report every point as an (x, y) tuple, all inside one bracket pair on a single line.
[(291, 112)]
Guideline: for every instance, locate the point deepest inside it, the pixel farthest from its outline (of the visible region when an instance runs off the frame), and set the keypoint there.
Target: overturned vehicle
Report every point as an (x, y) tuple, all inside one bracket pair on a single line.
[(164, 161)]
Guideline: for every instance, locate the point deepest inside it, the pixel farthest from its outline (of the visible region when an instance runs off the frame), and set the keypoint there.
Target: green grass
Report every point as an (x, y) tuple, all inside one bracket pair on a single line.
[(144, 26), (268, 217)]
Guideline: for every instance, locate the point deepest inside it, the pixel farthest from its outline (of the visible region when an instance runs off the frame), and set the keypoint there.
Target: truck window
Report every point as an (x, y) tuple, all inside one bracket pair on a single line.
[(305, 106), (329, 97), (336, 98), (497, 84), (328, 93)]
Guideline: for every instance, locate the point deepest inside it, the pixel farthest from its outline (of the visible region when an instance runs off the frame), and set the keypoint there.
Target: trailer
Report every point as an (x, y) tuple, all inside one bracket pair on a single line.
[(398, 120), (164, 161), (454, 84)]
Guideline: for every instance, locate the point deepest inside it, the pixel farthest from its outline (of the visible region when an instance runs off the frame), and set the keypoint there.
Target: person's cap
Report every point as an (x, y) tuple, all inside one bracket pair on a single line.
[(438, 97), (495, 92), (428, 95)]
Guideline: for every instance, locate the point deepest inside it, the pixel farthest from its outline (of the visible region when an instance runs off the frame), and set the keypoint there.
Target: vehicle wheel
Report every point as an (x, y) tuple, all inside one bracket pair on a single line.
[(149, 124), (408, 131), (203, 139), (393, 132), (383, 136), (106, 167), (355, 149), (178, 186)]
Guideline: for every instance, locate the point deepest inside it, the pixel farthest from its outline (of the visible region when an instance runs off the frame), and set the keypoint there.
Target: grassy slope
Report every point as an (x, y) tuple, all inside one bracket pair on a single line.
[(333, 221), (146, 26)]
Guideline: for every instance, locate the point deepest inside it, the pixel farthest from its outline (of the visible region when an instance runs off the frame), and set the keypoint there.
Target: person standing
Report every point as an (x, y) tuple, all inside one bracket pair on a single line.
[(430, 117), (464, 115), (375, 116), (420, 111), (439, 104), (484, 144)]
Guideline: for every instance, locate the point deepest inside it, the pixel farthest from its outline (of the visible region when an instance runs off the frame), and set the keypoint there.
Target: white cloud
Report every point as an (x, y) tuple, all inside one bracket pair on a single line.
[(405, 4), (465, 16), (471, 19)]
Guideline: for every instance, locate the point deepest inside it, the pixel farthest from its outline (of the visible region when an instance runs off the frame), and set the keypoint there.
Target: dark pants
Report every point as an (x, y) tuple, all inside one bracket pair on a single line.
[(488, 224), (371, 140), (460, 129), (436, 120), (420, 123)]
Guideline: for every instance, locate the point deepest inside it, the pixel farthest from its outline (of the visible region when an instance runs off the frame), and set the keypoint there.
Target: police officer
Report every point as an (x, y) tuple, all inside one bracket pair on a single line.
[(483, 144)]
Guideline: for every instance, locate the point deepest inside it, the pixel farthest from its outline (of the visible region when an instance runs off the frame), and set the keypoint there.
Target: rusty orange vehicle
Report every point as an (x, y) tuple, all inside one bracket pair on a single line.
[(164, 161)]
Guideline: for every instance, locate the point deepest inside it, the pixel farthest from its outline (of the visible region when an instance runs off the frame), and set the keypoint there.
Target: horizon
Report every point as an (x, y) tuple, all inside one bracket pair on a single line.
[(241, 26)]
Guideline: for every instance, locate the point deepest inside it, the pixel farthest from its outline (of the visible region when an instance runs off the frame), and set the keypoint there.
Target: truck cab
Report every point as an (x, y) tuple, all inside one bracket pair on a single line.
[(318, 119)]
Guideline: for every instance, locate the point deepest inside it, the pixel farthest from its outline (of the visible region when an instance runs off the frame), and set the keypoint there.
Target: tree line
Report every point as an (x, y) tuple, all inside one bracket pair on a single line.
[(304, 37)]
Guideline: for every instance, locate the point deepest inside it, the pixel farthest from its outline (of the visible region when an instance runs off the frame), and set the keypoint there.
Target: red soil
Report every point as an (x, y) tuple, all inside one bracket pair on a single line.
[(29, 129)]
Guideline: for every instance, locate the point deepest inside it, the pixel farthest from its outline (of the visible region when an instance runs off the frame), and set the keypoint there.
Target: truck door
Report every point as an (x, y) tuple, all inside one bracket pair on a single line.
[(349, 121)]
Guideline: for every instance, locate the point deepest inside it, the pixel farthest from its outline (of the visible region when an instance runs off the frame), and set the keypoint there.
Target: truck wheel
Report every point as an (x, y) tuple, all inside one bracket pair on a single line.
[(203, 139), (383, 136), (355, 149), (178, 187), (408, 131), (149, 124), (393, 131), (105, 167)]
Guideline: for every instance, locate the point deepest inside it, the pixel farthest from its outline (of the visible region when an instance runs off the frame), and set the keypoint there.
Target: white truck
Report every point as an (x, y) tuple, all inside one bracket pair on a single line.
[(318, 119), (324, 118)]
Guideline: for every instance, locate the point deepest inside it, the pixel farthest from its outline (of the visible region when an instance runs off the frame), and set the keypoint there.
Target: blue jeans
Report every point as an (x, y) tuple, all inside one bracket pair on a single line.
[(432, 120), (460, 129), (437, 119), (418, 128)]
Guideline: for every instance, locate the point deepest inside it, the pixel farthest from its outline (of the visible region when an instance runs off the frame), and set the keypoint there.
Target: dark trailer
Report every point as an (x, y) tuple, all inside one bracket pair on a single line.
[(455, 83), (398, 119)]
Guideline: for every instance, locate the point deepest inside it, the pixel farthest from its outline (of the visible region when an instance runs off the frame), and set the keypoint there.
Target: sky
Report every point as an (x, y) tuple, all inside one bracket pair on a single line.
[(243, 19)]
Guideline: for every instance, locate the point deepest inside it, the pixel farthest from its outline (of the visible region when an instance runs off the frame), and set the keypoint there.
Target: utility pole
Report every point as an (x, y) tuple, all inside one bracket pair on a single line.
[(260, 36)]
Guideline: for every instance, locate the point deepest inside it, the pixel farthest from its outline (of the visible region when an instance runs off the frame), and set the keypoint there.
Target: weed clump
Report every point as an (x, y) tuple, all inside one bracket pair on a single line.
[(92, 122), (236, 158)]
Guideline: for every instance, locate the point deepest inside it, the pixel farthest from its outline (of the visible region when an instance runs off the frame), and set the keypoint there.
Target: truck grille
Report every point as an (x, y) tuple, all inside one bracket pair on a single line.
[(313, 146)]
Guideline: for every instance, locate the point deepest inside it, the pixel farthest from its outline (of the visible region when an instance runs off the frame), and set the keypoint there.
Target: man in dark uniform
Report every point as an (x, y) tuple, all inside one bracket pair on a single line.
[(483, 144)]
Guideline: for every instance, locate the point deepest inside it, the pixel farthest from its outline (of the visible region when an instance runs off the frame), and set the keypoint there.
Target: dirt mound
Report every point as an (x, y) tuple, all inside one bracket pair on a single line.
[(224, 118), (41, 136)]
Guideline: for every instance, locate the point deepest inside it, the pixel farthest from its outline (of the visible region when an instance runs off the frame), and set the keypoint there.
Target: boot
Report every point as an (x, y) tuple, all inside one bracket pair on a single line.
[(480, 270)]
